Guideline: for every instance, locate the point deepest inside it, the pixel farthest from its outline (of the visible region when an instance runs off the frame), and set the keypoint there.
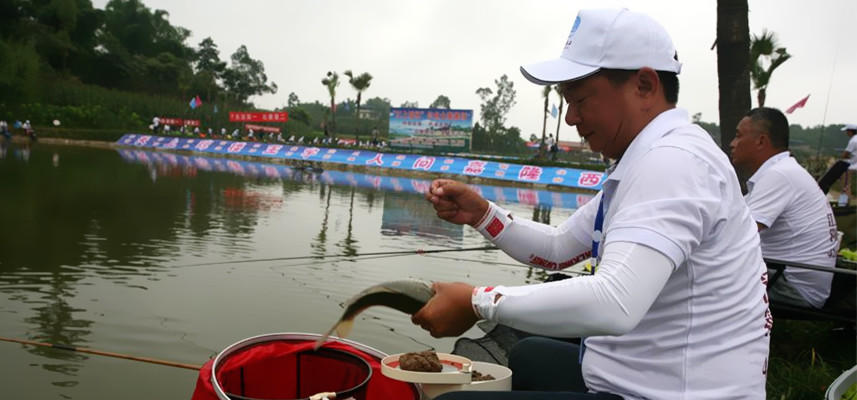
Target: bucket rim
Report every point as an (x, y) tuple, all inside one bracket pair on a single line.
[(270, 337)]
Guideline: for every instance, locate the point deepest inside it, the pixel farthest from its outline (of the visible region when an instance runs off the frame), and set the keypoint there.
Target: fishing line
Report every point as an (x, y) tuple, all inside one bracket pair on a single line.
[(502, 263), (346, 259), (323, 256)]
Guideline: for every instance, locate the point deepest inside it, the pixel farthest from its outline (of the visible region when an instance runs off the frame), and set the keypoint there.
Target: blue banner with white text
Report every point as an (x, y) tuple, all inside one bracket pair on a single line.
[(567, 177)]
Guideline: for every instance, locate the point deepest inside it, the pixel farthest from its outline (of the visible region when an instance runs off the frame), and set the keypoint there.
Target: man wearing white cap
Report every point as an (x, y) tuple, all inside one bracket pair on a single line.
[(847, 164), (677, 307)]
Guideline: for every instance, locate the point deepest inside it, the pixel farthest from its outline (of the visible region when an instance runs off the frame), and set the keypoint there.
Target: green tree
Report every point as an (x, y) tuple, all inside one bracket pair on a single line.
[(379, 104), (246, 77), (765, 50), (733, 45), (293, 100), (141, 31), (441, 102), (331, 81), (208, 58), (299, 114), (495, 105), (19, 72), (209, 68), (410, 104), (140, 50), (62, 31), (360, 83)]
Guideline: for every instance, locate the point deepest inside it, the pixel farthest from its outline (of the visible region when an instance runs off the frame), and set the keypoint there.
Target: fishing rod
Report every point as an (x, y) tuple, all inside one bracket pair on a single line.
[(834, 270), (380, 253), (102, 353)]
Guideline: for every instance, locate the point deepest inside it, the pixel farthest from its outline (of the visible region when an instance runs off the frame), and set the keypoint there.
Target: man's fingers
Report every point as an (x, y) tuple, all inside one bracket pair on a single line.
[(448, 187), (444, 205)]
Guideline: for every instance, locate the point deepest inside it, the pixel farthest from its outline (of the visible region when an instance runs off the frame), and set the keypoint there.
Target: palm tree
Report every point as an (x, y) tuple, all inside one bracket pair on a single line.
[(765, 47), (360, 83), (559, 113), (733, 71), (546, 92), (331, 81)]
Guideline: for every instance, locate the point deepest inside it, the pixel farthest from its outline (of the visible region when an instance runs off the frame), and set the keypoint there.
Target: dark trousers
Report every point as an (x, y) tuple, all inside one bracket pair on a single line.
[(542, 369), (832, 175)]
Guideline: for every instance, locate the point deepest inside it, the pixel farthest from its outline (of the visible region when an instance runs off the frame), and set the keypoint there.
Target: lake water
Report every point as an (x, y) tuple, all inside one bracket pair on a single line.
[(94, 245)]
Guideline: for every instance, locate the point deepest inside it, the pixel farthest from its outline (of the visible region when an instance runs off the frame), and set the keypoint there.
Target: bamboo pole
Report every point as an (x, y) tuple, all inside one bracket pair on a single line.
[(103, 353)]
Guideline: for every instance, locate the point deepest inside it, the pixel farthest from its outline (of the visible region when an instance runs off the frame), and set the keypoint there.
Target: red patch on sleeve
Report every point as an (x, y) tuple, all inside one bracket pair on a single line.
[(495, 227), (489, 288)]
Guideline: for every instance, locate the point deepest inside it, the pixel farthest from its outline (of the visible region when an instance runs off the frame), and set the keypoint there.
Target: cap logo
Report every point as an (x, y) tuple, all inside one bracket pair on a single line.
[(573, 30)]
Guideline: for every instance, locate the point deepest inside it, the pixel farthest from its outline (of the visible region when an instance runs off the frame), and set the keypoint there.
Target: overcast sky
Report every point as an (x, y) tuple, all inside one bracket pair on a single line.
[(417, 50)]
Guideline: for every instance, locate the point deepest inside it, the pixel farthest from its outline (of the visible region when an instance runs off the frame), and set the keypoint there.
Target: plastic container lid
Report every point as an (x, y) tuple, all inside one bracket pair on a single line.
[(456, 370)]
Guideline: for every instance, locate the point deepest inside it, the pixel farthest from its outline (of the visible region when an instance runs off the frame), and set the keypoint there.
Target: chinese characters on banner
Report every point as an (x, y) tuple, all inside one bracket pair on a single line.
[(178, 121), (274, 116), (171, 121), (431, 128), (448, 165)]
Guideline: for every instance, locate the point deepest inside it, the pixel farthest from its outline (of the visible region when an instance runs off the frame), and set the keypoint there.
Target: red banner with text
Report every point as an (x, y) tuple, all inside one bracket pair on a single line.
[(171, 121), (275, 116)]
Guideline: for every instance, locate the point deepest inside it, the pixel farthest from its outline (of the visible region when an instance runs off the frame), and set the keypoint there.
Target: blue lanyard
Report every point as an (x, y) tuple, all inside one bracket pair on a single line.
[(597, 235)]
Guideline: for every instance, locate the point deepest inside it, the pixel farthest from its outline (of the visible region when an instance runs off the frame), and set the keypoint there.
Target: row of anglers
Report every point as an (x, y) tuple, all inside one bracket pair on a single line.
[(271, 137), (237, 134), (25, 126)]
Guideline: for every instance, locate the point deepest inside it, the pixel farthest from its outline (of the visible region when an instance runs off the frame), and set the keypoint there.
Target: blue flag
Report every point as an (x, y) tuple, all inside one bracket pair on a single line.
[(554, 111), (192, 103)]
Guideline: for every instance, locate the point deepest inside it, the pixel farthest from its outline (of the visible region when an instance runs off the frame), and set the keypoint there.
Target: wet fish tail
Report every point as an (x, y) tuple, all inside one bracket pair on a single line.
[(342, 329)]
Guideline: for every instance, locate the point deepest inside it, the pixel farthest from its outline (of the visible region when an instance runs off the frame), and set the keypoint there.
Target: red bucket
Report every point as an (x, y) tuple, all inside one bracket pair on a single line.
[(284, 366)]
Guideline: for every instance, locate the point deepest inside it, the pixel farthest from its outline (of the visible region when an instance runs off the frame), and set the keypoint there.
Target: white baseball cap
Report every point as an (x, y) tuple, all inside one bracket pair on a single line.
[(607, 38), (850, 127)]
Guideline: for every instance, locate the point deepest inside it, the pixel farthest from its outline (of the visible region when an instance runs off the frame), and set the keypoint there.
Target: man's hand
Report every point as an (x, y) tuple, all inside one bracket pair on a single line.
[(456, 202), (449, 312)]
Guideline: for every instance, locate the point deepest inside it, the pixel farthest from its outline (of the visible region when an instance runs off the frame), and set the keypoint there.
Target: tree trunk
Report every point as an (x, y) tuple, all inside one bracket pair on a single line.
[(358, 104), (332, 114), (761, 97), (559, 119), (733, 66), (544, 129)]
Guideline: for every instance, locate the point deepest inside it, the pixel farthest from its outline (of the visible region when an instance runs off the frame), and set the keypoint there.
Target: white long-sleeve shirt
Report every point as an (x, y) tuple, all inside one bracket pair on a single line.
[(703, 333)]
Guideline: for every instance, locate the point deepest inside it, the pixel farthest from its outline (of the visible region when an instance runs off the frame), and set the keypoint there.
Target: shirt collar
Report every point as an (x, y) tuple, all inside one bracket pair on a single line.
[(656, 129), (767, 164)]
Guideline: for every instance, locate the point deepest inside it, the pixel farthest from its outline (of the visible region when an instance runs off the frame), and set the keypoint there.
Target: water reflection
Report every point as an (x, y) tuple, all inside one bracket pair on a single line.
[(88, 232), (404, 216), (189, 165)]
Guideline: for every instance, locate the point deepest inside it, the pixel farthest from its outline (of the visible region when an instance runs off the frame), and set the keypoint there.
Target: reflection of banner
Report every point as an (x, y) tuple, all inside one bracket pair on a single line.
[(568, 177), (262, 128), (431, 128), (402, 215), (500, 194), (277, 116)]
